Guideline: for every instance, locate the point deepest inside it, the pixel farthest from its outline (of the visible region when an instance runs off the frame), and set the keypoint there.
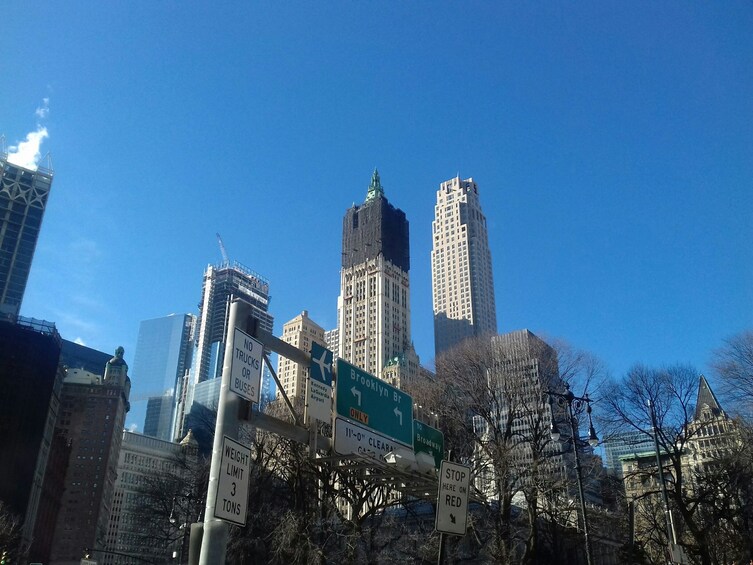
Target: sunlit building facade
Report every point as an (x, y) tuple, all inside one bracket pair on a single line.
[(299, 332), (374, 301), (461, 267)]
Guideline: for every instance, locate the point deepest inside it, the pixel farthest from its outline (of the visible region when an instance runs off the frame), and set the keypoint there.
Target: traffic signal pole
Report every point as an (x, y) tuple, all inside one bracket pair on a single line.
[(216, 531)]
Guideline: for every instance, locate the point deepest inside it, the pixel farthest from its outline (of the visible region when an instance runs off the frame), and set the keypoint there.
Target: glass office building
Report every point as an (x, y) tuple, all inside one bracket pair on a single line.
[(23, 197), (164, 350)]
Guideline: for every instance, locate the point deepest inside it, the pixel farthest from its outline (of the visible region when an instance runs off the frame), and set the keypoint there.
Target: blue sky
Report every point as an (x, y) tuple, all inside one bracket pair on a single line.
[(612, 144)]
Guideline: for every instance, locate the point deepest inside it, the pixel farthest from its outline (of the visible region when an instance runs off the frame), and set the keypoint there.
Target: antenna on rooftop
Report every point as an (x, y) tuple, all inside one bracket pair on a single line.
[(222, 249), (47, 166)]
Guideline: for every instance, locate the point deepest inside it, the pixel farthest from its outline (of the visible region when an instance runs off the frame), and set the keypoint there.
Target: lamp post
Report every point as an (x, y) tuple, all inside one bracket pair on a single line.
[(671, 534), (177, 554), (573, 404)]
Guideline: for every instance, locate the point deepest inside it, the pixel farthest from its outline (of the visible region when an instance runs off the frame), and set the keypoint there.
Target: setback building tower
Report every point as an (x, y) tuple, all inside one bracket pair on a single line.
[(374, 301), (461, 267)]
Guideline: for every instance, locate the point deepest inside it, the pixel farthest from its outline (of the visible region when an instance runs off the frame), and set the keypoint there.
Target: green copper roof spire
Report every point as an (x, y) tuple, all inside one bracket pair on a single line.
[(375, 188)]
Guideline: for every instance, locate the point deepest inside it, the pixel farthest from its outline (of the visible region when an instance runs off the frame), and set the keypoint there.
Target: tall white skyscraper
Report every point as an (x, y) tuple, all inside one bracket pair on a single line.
[(374, 302), (461, 267)]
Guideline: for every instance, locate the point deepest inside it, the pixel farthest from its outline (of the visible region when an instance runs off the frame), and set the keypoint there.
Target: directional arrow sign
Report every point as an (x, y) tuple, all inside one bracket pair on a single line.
[(428, 440), (372, 403)]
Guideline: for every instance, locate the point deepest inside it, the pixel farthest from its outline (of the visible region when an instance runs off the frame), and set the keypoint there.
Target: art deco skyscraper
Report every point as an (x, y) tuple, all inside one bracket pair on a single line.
[(461, 266), (374, 301), (23, 197)]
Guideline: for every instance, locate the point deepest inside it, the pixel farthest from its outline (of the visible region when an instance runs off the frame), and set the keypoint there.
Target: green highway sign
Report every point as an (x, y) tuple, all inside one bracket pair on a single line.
[(428, 440), (374, 404)]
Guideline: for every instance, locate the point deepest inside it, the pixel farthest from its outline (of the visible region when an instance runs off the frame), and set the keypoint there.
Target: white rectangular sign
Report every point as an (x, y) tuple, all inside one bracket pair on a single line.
[(232, 485), (352, 439), (245, 366), (452, 498), (320, 401)]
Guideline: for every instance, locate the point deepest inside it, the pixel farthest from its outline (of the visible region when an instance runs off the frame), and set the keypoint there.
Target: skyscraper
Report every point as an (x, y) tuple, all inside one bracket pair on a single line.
[(30, 381), (300, 332), (23, 197), (221, 283), (374, 302), (461, 266), (524, 369), (92, 414), (164, 350)]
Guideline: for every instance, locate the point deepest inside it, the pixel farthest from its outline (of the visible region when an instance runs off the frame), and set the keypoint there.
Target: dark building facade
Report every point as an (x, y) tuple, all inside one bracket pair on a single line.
[(30, 384), (51, 499), (75, 356), (92, 413), (23, 197), (375, 228)]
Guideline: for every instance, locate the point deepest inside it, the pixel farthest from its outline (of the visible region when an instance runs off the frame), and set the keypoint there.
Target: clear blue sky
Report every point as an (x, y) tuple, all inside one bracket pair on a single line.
[(612, 143)]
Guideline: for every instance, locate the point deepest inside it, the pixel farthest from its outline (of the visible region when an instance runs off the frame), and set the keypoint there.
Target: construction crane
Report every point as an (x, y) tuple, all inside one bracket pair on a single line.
[(222, 250)]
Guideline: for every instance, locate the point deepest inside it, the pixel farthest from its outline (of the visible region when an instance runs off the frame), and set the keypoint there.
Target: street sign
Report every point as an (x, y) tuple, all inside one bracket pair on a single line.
[(428, 440), (452, 498), (232, 486), (320, 384), (245, 366), (352, 439), (372, 403)]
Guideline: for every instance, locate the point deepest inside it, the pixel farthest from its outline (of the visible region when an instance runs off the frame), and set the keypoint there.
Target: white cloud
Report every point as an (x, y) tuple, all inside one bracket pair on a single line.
[(27, 153), (43, 111), (79, 341), (133, 428)]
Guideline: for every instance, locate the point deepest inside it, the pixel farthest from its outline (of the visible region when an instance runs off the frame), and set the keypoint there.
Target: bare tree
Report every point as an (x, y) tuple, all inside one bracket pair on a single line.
[(670, 393), (733, 363), (10, 530), (491, 399)]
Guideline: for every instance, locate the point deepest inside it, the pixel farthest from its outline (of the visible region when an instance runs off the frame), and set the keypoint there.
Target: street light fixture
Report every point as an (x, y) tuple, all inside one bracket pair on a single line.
[(575, 403)]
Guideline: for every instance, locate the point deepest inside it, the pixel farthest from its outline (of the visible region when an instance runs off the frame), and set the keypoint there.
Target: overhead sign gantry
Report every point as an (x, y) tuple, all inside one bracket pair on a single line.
[(372, 416)]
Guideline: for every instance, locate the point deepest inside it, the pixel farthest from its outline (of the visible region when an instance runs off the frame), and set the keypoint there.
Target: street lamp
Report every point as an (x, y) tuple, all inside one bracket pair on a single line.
[(183, 524), (575, 403), (671, 534)]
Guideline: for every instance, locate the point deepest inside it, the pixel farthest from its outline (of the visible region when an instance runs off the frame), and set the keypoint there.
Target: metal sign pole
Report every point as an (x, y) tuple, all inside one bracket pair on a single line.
[(440, 555), (216, 531)]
